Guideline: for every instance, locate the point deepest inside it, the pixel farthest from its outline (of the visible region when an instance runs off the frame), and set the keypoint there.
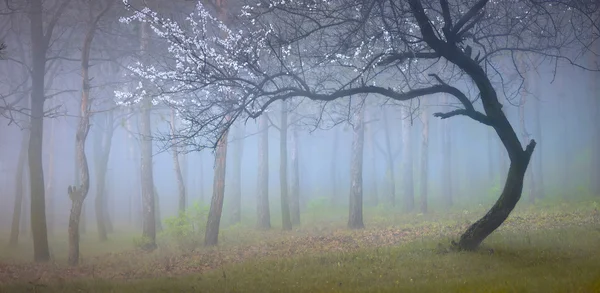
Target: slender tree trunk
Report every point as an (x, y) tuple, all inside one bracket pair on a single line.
[(370, 129), (525, 135), (285, 203), (295, 192), (490, 157), (447, 161), (424, 160), (39, 46), (407, 162), (355, 218), (158, 217), (263, 211), (16, 218), (334, 169), (216, 204), (389, 162), (176, 165), (147, 176), (50, 184), (236, 194), (102, 146), (539, 176)]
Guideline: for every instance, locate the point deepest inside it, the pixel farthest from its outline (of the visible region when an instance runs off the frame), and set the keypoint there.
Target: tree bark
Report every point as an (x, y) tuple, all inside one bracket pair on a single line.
[(39, 47), (50, 184), (389, 162), (407, 161), (236, 194), (102, 147), (263, 211), (177, 166), (334, 169), (16, 218), (147, 176), (538, 159), (211, 236), (355, 218), (157, 214), (525, 135), (424, 160), (285, 203), (447, 161), (370, 129), (295, 191)]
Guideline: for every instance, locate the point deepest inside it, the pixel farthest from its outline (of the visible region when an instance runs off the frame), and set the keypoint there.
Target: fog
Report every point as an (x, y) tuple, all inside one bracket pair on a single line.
[(151, 139), (565, 148)]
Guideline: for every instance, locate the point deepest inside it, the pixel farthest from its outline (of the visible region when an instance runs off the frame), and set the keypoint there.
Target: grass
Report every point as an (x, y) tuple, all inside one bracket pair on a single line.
[(554, 249)]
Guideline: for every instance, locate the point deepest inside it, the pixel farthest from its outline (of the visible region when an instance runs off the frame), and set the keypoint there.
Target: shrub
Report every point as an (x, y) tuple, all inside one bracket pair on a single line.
[(186, 230)]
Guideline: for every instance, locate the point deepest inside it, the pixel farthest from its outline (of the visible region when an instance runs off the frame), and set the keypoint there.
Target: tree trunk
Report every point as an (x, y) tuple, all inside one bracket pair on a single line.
[(447, 161), (407, 161), (50, 184), (370, 129), (102, 146), (511, 194), (16, 219), (355, 219), (211, 236), (424, 160), (39, 46), (176, 165), (158, 217), (236, 194), (525, 135), (389, 162), (295, 194), (147, 176), (285, 203), (334, 170), (263, 211), (490, 157)]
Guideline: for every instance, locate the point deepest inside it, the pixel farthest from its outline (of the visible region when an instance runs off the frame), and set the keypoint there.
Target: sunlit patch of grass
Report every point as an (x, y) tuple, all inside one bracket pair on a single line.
[(559, 260)]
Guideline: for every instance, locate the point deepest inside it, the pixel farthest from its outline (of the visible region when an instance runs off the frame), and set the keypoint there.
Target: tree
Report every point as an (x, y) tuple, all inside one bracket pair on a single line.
[(424, 160), (102, 145), (283, 178), (263, 212), (407, 161), (309, 53), (236, 207), (355, 217), (295, 190), (78, 193), (40, 43), (177, 167)]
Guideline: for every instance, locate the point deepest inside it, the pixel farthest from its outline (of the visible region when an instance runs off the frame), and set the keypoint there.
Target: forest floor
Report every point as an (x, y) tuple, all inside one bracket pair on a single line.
[(539, 249)]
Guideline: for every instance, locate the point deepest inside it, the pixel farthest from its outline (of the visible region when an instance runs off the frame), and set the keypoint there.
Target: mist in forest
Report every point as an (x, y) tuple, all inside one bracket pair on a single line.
[(558, 115)]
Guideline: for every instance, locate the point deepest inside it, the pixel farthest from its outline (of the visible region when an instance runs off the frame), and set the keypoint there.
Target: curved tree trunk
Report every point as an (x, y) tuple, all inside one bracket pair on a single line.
[(263, 212), (285, 203), (355, 218)]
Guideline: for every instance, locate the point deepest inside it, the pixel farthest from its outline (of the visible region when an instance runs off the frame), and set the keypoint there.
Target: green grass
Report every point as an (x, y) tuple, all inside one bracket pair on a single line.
[(541, 248)]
